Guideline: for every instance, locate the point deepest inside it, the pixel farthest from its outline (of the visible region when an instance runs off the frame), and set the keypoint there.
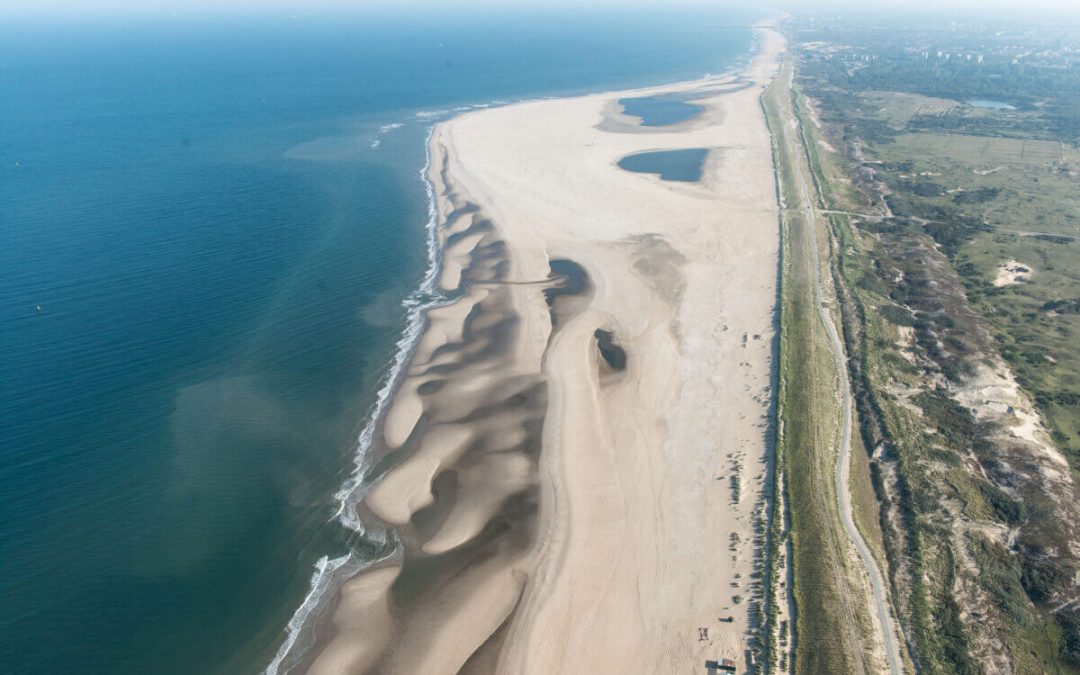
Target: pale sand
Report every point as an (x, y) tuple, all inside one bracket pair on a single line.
[(1012, 272), (630, 551)]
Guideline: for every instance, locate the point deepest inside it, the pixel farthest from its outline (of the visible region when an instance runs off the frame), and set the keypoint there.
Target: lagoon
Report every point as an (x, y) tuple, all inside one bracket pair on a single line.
[(658, 111), (685, 166)]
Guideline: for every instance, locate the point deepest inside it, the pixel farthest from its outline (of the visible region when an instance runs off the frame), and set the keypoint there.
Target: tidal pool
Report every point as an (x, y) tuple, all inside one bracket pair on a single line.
[(684, 166), (659, 111)]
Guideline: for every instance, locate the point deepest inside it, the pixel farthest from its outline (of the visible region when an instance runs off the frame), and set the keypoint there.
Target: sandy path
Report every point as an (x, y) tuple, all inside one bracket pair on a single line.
[(647, 479)]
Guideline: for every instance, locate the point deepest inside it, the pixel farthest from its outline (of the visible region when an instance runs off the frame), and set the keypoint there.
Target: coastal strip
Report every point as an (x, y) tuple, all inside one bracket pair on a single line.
[(574, 455), (330, 574)]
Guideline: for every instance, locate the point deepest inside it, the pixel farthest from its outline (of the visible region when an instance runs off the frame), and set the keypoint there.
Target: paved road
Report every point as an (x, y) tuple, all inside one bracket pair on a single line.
[(843, 463)]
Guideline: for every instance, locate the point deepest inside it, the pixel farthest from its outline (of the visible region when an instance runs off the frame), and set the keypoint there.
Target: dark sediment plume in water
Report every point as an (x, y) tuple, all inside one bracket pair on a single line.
[(570, 277)]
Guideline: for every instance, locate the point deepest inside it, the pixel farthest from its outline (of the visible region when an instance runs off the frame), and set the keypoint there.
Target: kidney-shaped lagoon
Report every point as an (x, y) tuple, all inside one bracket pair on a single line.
[(677, 165), (658, 111)]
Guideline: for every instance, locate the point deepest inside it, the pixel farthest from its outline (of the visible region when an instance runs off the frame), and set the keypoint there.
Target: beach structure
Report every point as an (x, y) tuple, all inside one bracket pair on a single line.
[(721, 666)]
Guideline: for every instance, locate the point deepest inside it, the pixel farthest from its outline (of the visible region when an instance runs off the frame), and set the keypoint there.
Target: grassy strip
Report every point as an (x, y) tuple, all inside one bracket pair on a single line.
[(844, 270), (778, 513), (932, 615), (826, 628)]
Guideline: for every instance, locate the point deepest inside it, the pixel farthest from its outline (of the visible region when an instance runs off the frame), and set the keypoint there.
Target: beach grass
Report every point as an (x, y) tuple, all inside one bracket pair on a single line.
[(827, 625), (837, 197)]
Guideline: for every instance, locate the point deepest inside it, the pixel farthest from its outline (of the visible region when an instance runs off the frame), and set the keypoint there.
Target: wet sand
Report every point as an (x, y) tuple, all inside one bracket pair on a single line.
[(580, 440)]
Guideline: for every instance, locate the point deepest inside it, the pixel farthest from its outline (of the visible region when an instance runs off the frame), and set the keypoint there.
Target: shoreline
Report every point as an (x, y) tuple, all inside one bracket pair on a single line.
[(312, 610), (399, 415)]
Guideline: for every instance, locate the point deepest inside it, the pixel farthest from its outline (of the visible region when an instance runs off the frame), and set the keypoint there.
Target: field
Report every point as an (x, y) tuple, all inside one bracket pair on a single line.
[(900, 108), (979, 151), (1040, 342), (1031, 203)]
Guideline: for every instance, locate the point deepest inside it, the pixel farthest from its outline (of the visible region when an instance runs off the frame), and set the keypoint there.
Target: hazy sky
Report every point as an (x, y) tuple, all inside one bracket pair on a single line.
[(11, 8)]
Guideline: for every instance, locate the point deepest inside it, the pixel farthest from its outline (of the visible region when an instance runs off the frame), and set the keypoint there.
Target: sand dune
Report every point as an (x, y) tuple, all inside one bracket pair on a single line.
[(560, 514)]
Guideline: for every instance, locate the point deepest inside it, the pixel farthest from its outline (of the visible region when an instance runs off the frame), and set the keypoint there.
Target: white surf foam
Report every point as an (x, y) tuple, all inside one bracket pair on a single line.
[(328, 578), (417, 303), (331, 574), (430, 114)]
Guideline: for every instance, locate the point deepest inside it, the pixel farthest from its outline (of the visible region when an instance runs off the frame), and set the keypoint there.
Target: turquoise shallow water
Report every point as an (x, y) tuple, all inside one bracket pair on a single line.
[(207, 229)]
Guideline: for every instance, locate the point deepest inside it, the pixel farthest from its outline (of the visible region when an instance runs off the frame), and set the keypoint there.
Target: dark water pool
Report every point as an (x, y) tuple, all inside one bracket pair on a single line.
[(676, 165), (612, 353), (658, 111)]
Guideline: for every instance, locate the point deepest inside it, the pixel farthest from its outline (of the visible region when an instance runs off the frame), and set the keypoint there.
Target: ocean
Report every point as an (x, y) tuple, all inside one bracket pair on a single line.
[(212, 233)]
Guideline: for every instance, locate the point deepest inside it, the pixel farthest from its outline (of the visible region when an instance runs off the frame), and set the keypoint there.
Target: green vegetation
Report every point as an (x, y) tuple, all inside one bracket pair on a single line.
[(1044, 577), (864, 501), (1025, 66), (974, 179), (968, 190), (925, 594), (1070, 641), (826, 637), (1000, 575), (1034, 321)]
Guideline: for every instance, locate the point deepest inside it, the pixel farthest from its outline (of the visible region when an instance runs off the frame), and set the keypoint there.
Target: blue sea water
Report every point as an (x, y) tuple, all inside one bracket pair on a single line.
[(207, 229)]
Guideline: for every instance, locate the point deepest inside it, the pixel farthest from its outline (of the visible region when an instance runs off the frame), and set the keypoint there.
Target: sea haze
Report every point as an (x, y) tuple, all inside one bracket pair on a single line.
[(206, 233)]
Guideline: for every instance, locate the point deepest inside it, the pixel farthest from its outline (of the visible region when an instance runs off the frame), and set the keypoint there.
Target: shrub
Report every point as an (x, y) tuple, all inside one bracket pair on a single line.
[(898, 315), (1043, 577), (980, 196), (1069, 620), (1071, 306), (1000, 576), (1008, 509)]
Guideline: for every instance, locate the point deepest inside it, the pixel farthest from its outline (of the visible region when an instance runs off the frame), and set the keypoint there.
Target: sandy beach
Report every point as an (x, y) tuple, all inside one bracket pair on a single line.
[(562, 510)]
